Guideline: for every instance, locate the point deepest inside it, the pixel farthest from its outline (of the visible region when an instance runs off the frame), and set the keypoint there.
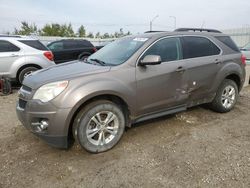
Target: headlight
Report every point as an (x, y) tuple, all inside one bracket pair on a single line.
[(49, 91)]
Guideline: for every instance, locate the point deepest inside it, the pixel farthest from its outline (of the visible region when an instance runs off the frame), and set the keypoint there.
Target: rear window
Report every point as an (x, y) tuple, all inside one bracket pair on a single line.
[(34, 44), (198, 47), (6, 46), (228, 42)]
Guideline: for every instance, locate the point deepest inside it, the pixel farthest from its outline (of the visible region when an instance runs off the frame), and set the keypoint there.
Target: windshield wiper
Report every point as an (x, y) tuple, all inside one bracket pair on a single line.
[(98, 61)]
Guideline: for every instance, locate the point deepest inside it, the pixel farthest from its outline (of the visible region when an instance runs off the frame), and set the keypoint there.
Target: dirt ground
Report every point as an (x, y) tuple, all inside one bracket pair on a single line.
[(197, 148)]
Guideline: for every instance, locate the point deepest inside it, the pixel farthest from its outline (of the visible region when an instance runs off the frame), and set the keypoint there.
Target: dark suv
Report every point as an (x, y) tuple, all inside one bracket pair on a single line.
[(71, 49), (133, 79)]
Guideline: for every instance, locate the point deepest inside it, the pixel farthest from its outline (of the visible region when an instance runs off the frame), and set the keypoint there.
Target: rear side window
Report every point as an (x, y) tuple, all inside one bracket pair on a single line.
[(228, 42), (70, 44), (84, 44), (169, 49), (198, 47), (34, 44), (6, 46)]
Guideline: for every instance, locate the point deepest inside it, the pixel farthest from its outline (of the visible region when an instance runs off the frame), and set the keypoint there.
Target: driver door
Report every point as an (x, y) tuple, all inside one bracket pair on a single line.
[(163, 86)]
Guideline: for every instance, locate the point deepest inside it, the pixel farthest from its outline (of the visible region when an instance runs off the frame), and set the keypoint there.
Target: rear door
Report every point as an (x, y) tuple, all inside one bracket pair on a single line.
[(9, 53), (160, 87), (71, 50), (202, 62)]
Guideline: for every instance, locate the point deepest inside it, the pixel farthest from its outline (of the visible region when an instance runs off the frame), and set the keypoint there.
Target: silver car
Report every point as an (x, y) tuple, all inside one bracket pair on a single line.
[(246, 51), (19, 56)]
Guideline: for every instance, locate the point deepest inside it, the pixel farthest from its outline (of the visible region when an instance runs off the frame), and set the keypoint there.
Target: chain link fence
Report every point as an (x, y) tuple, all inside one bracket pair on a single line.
[(241, 36)]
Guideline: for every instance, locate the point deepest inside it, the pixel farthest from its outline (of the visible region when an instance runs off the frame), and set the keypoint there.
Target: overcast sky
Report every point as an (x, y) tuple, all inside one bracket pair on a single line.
[(131, 15)]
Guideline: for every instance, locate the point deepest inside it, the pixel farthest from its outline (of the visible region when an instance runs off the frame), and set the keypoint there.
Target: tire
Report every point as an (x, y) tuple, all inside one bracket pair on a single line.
[(91, 121), (83, 56), (24, 72), (226, 97)]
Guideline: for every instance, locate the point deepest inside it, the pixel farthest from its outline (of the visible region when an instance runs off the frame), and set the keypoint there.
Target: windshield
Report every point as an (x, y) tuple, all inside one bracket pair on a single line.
[(118, 51)]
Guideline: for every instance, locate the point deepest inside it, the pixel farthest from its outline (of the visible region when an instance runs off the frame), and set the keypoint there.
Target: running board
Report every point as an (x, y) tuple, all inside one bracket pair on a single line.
[(160, 114)]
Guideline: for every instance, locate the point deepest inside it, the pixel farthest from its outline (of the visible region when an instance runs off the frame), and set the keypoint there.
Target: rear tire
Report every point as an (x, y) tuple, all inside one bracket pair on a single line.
[(25, 72), (226, 97), (99, 126), (82, 57)]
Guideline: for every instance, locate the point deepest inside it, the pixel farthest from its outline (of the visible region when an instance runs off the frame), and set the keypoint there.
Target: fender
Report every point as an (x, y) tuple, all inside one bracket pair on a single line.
[(77, 95), (229, 68)]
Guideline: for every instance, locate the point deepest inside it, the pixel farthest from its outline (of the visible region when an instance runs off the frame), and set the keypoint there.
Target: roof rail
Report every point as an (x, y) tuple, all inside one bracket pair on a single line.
[(18, 36), (198, 29), (154, 31)]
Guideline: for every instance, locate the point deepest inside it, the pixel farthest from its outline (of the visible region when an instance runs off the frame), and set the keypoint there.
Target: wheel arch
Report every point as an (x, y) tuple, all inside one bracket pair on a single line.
[(25, 66), (111, 97)]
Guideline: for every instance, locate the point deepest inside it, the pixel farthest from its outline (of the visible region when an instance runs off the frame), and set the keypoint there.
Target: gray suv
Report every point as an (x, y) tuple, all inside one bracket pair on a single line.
[(133, 79)]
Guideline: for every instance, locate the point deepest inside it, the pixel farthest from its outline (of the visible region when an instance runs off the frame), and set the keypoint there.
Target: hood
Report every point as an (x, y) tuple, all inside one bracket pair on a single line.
[(65, 71)]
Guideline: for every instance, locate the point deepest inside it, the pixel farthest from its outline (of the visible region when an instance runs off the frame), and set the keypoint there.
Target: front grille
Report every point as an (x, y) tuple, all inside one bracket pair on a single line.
[(22, 103), (26, 88)]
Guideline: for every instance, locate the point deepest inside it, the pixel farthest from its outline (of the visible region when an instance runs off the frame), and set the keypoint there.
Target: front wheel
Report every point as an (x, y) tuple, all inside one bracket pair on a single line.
[(226, 97), (99, 126)]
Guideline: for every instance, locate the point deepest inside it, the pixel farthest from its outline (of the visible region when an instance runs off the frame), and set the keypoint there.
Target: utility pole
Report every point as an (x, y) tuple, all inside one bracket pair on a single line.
[(151, 22), (174, 21)]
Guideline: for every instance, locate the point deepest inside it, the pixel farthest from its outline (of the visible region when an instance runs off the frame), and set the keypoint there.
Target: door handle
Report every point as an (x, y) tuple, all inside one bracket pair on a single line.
[(180, 69), (14, 55), (217, 62)]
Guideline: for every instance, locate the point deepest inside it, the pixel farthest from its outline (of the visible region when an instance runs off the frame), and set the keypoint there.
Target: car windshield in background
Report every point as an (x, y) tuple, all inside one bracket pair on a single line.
[(119, 51)]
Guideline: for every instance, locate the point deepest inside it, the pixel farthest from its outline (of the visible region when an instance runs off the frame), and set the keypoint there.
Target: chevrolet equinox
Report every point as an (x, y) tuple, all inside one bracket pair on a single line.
[(133, 79)]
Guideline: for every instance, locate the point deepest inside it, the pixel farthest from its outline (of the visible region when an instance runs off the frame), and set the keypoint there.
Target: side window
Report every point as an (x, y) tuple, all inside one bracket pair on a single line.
[(169, 49), (56, 46), (6, 46), (198, 47), (84, 44), (70, 44), (228, 42)]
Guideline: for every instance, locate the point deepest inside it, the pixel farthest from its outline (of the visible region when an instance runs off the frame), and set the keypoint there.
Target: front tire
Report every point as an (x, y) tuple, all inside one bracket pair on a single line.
[(99, 126), (226, 97)]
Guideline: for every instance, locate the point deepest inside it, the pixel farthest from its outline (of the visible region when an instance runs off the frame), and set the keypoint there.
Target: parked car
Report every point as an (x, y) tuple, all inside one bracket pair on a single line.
[(133, 79), (19, 56), (246, 51), (71, 49)]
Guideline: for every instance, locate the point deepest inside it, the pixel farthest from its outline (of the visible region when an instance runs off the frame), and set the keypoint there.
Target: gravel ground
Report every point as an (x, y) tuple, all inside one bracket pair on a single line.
[(197, 148)]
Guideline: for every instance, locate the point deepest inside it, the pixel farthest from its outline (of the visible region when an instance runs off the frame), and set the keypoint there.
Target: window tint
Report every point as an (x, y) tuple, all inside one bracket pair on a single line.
[(6, 46), (56, 46), (34, 44), (84, 44), (228, 42), (70, 44), (169, 49), (198, 47)]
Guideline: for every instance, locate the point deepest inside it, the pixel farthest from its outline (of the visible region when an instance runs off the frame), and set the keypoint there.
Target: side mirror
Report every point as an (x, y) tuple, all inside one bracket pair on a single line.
[(150, 60)]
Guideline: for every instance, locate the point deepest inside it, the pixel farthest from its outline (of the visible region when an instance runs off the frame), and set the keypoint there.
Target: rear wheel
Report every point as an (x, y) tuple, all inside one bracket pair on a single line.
[(83, 57), (226, 97), (25, 72), (99, 126)]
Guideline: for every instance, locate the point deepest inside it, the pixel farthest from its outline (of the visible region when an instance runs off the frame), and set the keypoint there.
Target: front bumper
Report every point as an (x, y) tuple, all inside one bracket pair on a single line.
[(30, 112)]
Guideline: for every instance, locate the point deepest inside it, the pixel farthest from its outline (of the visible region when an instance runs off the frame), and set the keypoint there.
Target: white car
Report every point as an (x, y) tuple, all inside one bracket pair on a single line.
[(246, 51), (19, 56)]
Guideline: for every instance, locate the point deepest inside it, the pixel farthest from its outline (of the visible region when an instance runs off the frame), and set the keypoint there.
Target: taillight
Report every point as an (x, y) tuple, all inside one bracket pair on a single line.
[(94, 49), (243, 59), (49, 55)]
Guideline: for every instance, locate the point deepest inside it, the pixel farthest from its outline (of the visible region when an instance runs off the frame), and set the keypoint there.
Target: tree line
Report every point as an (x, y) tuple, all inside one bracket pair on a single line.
[(63, 30)]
